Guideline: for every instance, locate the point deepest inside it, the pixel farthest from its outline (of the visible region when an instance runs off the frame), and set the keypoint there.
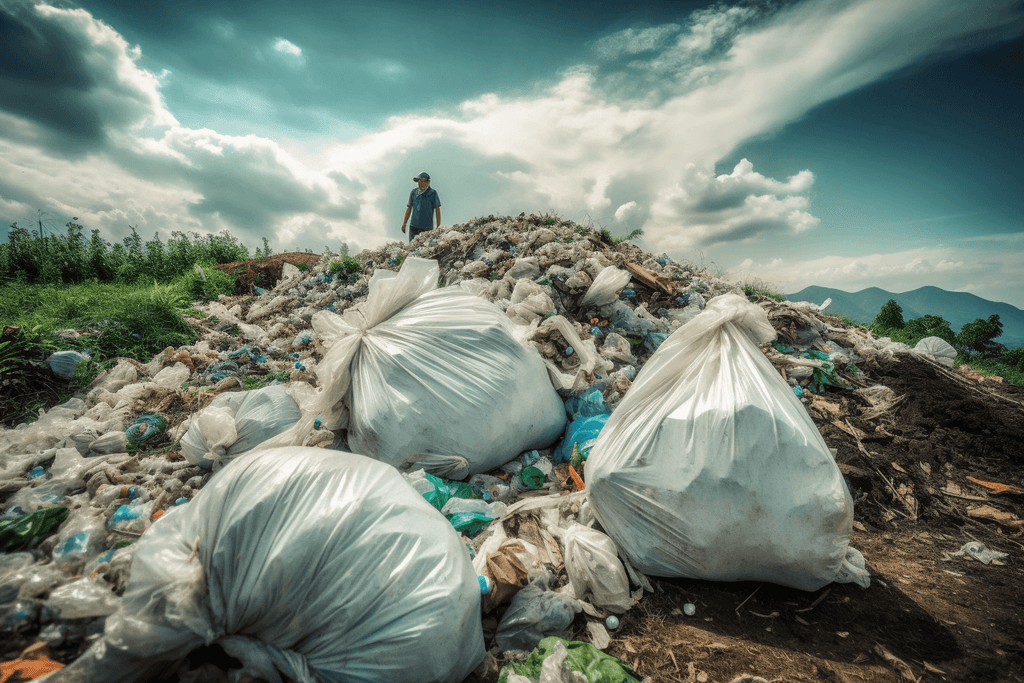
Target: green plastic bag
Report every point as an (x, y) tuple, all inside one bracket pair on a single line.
[(440, 495), (23, 531), (445, 490), (145, 428), (469, 523), (582, 657)]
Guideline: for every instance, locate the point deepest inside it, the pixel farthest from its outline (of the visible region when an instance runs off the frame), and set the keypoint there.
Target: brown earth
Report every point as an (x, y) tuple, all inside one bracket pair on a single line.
[(265, 272)]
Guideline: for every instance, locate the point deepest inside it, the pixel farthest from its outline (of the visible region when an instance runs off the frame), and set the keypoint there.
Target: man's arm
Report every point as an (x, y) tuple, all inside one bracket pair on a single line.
[(408, 210), (437, 213)]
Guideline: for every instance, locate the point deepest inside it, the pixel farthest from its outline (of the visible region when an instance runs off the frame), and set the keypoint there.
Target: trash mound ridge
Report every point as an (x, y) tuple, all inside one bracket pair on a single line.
[(931, 456)]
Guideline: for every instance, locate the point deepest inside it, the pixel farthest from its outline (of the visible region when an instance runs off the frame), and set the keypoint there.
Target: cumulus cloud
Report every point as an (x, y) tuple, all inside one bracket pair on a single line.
[(624, 212), (72, 80), (644, 135)]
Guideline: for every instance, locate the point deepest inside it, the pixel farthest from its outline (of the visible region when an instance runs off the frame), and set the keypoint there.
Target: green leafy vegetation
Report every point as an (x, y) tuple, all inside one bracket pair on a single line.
[(975, 343), (302, 267), (631, 236), (71, 258), (753, 293), (264, 252)]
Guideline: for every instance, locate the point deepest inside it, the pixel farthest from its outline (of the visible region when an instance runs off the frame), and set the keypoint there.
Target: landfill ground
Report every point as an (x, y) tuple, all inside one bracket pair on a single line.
[(913, 459)]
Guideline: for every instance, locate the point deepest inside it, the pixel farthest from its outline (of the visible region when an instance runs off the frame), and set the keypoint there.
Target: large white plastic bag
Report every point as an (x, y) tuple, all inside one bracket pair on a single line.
[(710, 467), (235, 423), (313, 564), (936, 349), (432, 378)]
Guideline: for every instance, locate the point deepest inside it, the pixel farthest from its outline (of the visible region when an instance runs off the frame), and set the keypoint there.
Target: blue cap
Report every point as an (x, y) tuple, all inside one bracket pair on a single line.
[(424, 176)]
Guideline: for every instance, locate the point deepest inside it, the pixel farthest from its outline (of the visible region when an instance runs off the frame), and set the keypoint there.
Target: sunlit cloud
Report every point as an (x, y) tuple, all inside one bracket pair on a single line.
[(630, 141), (287, 47)]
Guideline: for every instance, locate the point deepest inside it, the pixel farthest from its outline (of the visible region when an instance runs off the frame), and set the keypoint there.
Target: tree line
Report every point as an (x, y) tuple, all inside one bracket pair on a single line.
[(975, 340)]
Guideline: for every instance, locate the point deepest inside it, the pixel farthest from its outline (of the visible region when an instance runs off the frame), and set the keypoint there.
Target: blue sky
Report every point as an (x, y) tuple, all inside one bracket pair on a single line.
[(848, 144)]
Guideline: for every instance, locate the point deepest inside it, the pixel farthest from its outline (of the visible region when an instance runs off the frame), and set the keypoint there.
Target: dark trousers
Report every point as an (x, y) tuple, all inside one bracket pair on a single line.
[(414, 231)]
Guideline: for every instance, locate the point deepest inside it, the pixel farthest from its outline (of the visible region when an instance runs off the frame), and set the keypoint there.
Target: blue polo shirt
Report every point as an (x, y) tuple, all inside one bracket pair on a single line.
[(423, 204)]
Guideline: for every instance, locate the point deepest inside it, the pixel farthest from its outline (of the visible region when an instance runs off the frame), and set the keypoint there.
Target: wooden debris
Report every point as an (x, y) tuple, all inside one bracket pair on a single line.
[(997, 488), (989, 512), (656, 282), (902, 667)]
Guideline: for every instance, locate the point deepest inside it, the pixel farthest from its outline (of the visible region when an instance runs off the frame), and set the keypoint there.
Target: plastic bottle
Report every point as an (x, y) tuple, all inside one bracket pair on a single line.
[(491, 489)]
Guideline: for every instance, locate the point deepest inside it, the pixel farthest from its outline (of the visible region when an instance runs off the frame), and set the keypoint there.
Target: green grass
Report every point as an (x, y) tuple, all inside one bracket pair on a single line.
[(753, 293), (1014, 374)]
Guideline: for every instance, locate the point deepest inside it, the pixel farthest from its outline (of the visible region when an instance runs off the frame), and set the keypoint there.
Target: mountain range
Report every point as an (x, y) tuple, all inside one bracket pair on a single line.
[(958, 308)]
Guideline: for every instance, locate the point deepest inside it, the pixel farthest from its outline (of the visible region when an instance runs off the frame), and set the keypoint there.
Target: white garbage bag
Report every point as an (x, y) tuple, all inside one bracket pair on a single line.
[(235, 423), (305, 564), (936, 349), (421, 376), (710, 468)]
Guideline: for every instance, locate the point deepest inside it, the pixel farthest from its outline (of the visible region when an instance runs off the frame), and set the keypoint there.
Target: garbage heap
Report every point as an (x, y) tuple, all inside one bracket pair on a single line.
[(537, 413)]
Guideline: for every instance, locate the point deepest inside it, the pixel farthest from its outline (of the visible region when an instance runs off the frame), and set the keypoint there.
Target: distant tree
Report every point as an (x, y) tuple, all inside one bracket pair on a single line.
[(979, 336), (889, 318), (930, 326)]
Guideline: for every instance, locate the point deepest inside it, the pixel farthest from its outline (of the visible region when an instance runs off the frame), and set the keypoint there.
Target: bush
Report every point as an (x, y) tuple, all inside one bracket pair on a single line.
[(199, 288), (930, 326), (979, 338), (1013, 357)]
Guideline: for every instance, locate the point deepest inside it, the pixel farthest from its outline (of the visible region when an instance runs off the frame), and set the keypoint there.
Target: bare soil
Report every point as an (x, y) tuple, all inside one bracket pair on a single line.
[(265, 272)]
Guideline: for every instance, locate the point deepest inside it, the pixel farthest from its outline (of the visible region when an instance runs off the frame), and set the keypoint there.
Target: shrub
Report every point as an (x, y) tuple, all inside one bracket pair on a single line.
[(200, 288)]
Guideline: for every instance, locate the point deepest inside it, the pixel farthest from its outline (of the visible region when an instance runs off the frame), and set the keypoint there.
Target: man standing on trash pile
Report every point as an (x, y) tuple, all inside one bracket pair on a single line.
[(423, 204)]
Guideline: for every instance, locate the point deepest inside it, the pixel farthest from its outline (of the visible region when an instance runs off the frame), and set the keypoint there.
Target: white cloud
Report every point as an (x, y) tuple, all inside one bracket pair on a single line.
[(624, 212), (631, 41), (287, 47), (593, 144), (388, 69)]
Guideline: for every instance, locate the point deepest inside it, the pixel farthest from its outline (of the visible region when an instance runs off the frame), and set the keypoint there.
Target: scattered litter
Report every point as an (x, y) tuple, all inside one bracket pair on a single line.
[(980, 552), (65, 363), (536, 611), (575, 656)]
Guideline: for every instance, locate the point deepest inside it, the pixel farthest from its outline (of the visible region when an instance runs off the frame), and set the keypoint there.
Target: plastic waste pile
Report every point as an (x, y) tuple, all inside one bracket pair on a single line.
[(520, 374)]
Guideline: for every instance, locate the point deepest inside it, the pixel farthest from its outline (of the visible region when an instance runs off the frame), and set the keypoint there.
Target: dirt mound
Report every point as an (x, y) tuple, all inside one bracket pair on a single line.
[(264, 272)]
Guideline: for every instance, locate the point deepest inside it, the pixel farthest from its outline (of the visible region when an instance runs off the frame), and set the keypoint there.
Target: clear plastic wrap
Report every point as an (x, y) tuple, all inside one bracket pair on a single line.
[(592, 563), (606, 287), (710, 468)]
